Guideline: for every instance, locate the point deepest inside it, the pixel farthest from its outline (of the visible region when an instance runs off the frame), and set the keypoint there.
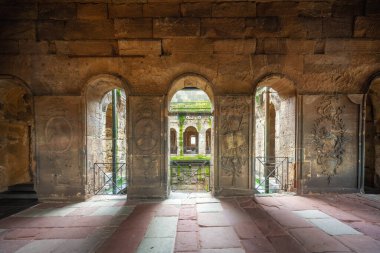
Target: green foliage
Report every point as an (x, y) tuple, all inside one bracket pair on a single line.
[(193, 107), (181, 120), (188, 158)]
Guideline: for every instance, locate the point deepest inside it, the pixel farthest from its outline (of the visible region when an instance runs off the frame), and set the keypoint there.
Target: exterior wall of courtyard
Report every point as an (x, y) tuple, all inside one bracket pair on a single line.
[(68, 54)]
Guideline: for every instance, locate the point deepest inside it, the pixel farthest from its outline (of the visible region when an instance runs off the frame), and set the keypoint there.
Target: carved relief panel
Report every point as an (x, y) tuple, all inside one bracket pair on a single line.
[(234, 116), (59, 142), (146, 141), (330, 142)]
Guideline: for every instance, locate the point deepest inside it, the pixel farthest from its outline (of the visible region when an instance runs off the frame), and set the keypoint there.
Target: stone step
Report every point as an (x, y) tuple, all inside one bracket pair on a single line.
[(27, 187)]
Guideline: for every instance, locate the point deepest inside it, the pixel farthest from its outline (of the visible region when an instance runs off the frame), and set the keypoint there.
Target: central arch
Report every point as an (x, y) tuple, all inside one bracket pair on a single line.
[(192, 81)]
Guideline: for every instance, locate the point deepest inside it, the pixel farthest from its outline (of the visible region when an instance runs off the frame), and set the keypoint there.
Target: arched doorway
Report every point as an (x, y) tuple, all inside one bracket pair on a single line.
[(190, 140), (190, 110), (372, 140), (106, 142), (16, 135), (275, 135)]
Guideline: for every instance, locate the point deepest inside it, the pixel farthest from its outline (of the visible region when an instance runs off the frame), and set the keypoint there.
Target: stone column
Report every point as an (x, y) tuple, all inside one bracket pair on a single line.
[(234, 173), (59, 131), (147, 175), (202, 142)]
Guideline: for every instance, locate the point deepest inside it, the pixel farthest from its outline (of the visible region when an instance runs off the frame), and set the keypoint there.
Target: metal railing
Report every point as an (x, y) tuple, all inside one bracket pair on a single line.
[(190, 175), (271, 174), (108, 182)]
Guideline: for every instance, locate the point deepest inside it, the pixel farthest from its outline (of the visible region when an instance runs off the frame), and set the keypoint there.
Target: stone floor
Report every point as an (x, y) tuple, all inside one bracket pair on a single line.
[(197, 222)]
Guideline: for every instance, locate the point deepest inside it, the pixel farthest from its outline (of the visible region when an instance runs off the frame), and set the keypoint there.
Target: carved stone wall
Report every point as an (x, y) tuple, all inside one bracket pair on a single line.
[(330, 143), (147, 173), (234, 142), (59, 147)]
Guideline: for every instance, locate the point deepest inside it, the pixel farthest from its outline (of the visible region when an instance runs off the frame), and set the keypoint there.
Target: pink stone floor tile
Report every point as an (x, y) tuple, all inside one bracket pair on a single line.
[(369, 229), (188, 213), (66, 233), (360, 244), (218, 238), (286, 244), (257, 244), (23, 233), (247, 230), (187, 226), (289, 220), (83, 211), (212, 220), (315, 240), (125, 241), (167, 210), (186, 241), (12, 246)]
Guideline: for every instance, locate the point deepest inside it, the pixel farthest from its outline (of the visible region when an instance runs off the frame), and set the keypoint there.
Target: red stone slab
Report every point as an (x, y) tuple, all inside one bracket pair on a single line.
[(186, 241), (188, 213), (66, 233), (258, 244), (23, 233), (247, 230), (187, 226), (167, 210), (289, 220), (12, 246), (125, 241), (315, 240), (372, 230), (286, 244), (360, 243)]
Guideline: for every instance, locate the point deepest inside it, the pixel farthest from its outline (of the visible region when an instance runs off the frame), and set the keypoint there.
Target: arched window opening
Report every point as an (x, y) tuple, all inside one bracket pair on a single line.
[(275, 135), (106, 137), (190, 112), (190, 140), (372, 140), (16, 126)]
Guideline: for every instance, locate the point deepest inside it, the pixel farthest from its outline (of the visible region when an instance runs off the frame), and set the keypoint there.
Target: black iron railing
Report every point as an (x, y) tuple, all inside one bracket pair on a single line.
[(110, 178), (190, 175), (271, 174)]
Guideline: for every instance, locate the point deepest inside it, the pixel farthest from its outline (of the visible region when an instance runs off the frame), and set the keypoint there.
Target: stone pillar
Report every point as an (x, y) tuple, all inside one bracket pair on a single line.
[(234, 124), (147, 175), (202, 142), (59, 132)]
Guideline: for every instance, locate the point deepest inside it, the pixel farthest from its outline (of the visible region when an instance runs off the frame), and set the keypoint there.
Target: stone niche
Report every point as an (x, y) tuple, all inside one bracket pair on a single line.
[(233, 171), (147, 172), (59, 147), (16, 125), (330, 143)]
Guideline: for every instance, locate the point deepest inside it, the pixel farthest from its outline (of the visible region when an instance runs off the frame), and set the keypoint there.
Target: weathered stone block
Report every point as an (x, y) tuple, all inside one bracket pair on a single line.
[(372, 7), (277, 9), (337, 27), (17, 30), (140, 47), (59, 11), (196, 9), (238, 46), (315, 9), (187, 45), (33, 47), (76, 30), (367, 27), (86, 48), (9, 47), (301, 27), (176, 27), (161, 10), (343, 8), (223, 27), (262, 27), (238, 9), (20, 11), (125, 10), (352, 46), (92, 11), (134, 28), (50, 30)]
